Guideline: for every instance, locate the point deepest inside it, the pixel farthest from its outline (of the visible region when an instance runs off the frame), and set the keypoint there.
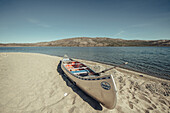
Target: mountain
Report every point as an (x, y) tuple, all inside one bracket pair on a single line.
[(93, 42)]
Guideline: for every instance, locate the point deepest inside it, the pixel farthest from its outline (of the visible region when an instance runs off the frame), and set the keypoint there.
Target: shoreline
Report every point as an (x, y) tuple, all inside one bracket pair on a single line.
[(111, 64), (34, 82), (120, 68)]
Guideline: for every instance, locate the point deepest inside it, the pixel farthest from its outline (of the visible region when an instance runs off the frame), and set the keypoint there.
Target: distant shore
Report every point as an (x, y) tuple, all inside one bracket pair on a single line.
[(32, 82), (93, 42)]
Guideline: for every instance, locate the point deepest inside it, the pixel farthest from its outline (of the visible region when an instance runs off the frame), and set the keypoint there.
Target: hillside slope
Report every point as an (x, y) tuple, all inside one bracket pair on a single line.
[(94, 42)]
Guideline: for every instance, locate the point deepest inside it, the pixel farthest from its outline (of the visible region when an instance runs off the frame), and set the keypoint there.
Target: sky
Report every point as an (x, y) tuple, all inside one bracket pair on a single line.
[(27, 21)]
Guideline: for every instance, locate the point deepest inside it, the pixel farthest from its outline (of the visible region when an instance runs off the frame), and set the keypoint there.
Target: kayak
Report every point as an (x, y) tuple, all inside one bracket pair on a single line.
[(100, 87)]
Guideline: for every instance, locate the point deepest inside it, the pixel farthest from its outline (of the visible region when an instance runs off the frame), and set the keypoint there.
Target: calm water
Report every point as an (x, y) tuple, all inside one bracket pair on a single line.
[(152, 60)]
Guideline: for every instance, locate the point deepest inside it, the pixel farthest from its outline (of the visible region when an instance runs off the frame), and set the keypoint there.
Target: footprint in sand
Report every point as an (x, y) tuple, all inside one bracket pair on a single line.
[(144, 98), (74, 100), (130, 104), (154, 106), (146, 111), (163, 102), (71, 110), (136, 100)]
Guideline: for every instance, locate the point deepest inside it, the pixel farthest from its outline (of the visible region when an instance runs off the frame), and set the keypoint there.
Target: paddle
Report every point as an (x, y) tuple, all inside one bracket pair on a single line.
[(112, 68)]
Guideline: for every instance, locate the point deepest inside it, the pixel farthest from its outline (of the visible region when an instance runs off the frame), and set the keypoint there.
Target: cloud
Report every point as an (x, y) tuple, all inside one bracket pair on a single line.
[(119, 33), (135, 26), (38, 23)]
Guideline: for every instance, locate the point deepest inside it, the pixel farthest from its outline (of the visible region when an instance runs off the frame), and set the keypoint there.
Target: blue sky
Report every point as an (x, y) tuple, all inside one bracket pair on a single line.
[(48, 20)]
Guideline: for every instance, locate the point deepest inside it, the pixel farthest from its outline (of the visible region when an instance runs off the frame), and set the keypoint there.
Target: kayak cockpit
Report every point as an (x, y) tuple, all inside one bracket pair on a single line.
[(78, 68)]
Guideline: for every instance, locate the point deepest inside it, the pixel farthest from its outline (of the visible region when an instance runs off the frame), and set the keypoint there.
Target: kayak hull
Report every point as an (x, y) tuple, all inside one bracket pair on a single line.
[(101, 88)]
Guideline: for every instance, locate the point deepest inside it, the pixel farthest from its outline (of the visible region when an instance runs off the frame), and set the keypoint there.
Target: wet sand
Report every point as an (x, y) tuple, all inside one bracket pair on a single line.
[(35, 83)]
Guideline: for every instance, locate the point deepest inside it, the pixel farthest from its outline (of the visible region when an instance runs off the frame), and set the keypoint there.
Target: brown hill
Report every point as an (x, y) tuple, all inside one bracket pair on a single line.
[(94, 42)]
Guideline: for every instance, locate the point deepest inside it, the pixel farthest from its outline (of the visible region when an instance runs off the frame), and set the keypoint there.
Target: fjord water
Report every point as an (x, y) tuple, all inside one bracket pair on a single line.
[(151, 60)]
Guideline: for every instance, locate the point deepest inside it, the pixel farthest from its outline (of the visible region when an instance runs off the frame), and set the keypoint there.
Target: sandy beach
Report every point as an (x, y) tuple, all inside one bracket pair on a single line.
[(35, 83)]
